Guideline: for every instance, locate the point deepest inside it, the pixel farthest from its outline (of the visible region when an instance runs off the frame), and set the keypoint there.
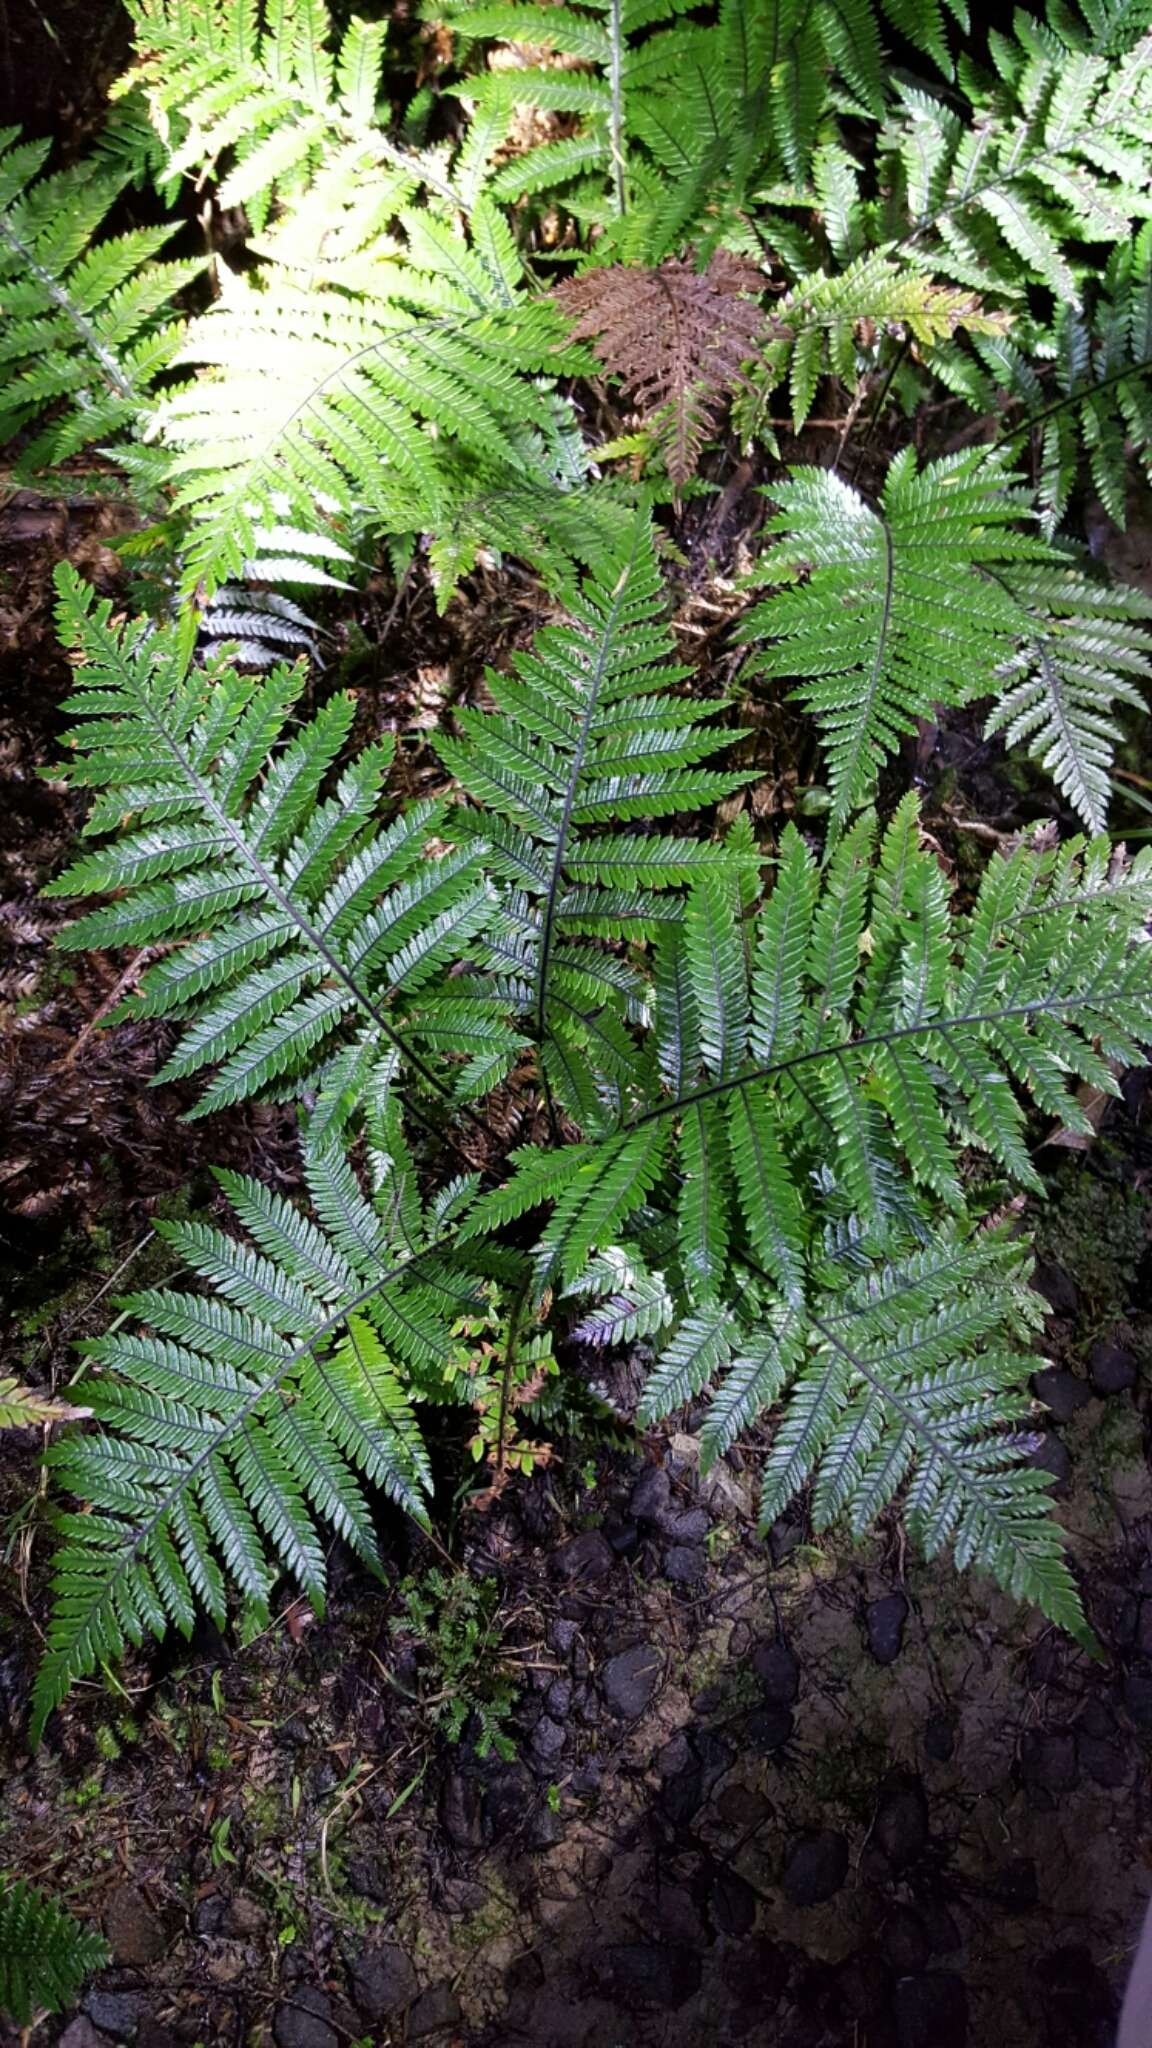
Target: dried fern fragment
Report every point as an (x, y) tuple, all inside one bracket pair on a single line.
[(676, 337)]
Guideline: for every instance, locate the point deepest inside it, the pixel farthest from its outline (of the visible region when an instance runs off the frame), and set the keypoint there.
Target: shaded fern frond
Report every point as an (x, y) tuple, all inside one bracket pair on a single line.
[(588, 741), (902, 609), (903, 1377), (86, 319), (1060, 692), (45, 1954), (241, 1421), (286, 915)]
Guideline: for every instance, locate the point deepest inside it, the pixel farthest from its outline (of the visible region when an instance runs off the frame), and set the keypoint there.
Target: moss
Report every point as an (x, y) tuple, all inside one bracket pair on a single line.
[(1097, 1231)]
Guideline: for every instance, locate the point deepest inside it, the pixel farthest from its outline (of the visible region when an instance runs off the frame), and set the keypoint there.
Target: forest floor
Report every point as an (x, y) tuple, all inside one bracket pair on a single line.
[(788, 1797)]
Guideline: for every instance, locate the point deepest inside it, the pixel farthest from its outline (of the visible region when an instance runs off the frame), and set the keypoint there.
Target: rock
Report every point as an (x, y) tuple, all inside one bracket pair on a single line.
[(1015, 1886), (940, 1738), (302, 2021), (686, 1525), (82, 2034), (460, 1811), (1100, 1748), (368, 1877), (1142, 1637), (509, 1798), (1057, 1287), (1138, 1693), (1048, 1758), (209, 1916), (382, 1980), (768, 1728), (136, 1933), (548, 1739), (622, 1537), (900, 1829), (116, 2012), (905, 1941), (1079, 2004), (931, 2011), (629, 1680), (1050, 1455), (1113, 1368), (1063, 1392), (731, 1903), (150, 2034), (650, 1497), (436, 2009), (778, 1670), (785, 1535), (685, 1564), (558, 1699), (587, 1556), (244, 1919), (884, 1625), (943, 1934), (816, 1868), (643, 1975), (563, 1635)]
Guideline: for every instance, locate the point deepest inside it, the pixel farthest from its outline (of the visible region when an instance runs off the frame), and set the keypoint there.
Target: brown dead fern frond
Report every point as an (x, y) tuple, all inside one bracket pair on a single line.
[(676, 337)]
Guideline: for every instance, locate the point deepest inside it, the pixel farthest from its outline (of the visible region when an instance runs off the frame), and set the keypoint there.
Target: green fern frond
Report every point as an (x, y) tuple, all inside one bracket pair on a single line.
[(285, 915), (87, 319), (837, 325), (903, 608), (1055, 152), (45, 1954), (253, 96), (858, 1036), (1059, 694), (408, 379), (901, 1377), (245, 1418), (588, 736)]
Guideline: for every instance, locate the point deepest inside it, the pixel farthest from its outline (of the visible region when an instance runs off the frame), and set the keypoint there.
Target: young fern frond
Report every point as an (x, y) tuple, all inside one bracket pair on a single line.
[(87, 320), (588, 739), (837, 325), (1060, 692), (285, 916), (902, 609), (45, 1954), (244, 1419)]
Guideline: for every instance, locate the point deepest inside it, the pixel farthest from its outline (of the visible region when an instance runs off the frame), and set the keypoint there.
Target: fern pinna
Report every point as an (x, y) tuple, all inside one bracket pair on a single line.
[(940, 596), (87, 322), (247, 1417)]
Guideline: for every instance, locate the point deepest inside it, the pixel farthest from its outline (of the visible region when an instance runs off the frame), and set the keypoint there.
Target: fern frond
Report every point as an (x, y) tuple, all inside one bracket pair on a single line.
[(27, 1408), (904, 608), (45, 1954), (677, 339), (587, 732), (858, 1037), (1060, 692), (244, 1419), (87, 318), (285, 915), (407, 379)]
